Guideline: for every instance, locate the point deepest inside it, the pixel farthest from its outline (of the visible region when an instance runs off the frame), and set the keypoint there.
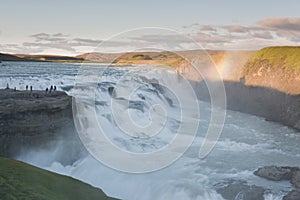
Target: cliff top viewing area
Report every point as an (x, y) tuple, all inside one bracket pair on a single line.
[(12, 101)]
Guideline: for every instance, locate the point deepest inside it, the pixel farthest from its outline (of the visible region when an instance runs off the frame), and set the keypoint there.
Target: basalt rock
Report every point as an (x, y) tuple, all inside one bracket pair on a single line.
[(296, 179), (275, 173), (36, 120), (292, 195), (241, 190), (283, 173)]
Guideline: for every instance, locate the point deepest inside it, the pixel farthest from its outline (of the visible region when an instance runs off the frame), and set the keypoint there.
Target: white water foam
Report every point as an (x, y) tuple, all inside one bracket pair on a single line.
[(247, 142)]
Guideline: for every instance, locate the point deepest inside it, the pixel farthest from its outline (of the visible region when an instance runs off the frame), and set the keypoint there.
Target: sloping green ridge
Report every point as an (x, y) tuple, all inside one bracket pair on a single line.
[(19, 180), (274, 67), (284, 57)]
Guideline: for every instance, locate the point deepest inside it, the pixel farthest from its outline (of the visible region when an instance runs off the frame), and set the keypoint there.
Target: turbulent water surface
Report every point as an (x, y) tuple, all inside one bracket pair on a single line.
[(246, 143)]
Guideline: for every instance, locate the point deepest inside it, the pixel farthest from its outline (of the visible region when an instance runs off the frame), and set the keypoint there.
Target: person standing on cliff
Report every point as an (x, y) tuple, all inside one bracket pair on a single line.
[(31, 88), (26, 87), (7, 86)]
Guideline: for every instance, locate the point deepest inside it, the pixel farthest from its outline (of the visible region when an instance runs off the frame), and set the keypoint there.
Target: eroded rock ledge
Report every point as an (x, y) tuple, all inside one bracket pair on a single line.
[(275, 173), (37, 121)]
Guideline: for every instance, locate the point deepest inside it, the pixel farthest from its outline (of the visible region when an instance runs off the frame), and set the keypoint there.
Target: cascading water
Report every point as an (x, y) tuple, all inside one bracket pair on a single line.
[(246, 143)]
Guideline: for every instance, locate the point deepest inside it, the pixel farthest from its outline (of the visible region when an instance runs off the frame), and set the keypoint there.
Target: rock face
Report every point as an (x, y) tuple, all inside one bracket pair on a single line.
[(280, 173), (37, 121), (240, 190), (296, 179), (260, 101), (283, 173), (276, 173), (292, 195), (275, 67)]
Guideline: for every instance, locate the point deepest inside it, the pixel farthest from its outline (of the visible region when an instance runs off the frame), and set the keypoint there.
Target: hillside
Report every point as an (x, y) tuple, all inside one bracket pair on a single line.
[(8, 57), (38, 58), (49, 58), (228, 63), (22, 181), (99, 57), (274, 67)]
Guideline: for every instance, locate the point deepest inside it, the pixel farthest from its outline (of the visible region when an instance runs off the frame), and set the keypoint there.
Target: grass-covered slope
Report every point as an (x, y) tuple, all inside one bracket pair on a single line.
[(22, 181), (275, 67)]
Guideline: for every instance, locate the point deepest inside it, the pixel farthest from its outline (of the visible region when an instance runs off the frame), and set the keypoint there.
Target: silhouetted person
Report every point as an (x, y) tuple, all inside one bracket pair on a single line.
[(46, 90), (26, 87), (31, 88), (54, 87), (51, 88), (7, 86), (15, 89), (111, 91)]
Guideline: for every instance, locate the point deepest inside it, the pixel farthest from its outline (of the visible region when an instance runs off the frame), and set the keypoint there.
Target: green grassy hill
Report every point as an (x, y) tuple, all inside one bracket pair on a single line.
[(22, 181), (275, 67)]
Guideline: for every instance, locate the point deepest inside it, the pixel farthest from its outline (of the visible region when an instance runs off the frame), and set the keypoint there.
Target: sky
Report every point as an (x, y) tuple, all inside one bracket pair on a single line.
[(75, 27)]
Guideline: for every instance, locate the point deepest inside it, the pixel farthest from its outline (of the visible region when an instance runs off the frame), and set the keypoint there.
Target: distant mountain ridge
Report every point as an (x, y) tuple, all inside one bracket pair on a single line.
[(38, 58), (9, 57)]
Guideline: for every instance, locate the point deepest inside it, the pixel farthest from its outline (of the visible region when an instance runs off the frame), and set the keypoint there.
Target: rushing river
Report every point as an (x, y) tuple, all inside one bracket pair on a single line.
[(246, 143)]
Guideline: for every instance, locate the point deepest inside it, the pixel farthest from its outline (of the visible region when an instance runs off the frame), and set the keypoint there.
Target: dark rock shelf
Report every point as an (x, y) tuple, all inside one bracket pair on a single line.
[(32, 120)]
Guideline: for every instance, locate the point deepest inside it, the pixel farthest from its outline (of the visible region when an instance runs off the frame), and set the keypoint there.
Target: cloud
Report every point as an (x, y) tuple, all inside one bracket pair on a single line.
[(60, 35), (17, 49), (61, 43), (282, 23), (161, 38), (85, 41), (40, 35), (266, 32), (236, 28), (205, 38), (207, 28), (56, 45), (191, 25), (44, 37), (184, 42), (283, 27), (263, 35)]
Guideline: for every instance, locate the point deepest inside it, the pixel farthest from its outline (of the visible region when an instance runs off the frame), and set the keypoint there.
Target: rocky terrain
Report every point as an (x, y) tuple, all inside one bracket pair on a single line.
[(36, 120), (240, 190), (263, 83), (268, 103), (39, 121), (275, 173)]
